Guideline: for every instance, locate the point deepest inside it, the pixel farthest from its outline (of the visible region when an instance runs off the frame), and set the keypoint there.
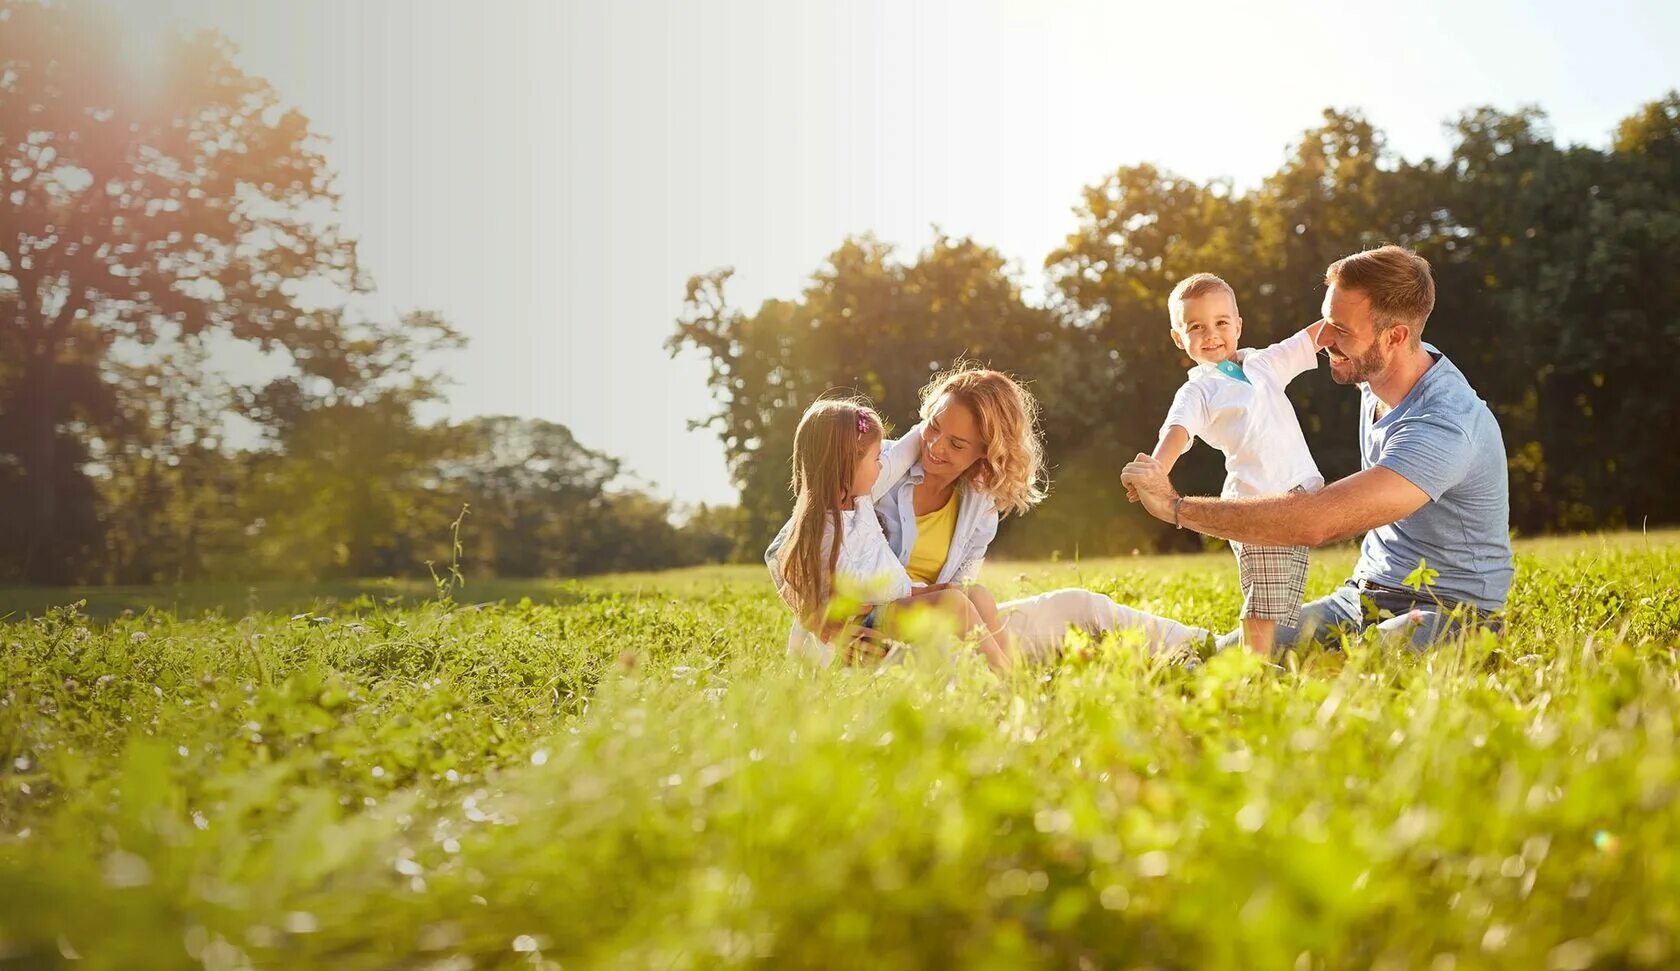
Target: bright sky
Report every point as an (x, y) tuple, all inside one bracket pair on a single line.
[(549, 174)]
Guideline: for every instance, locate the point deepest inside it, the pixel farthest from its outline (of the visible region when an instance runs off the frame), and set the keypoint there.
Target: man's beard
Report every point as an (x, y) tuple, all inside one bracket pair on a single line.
[(1362, 368)]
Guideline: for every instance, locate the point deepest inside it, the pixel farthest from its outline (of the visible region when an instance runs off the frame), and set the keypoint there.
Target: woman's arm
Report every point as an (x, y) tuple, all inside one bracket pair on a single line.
[(985, 530)]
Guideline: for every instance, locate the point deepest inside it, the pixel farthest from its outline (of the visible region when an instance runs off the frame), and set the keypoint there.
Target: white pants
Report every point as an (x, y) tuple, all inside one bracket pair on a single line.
[(1040, 624)]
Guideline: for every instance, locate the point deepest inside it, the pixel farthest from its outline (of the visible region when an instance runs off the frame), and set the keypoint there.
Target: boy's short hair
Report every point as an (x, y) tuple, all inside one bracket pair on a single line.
[(1396, 280), (1193, 286)]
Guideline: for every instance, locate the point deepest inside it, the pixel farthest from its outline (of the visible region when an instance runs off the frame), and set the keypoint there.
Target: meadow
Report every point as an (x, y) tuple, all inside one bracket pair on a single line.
[(628, 773)]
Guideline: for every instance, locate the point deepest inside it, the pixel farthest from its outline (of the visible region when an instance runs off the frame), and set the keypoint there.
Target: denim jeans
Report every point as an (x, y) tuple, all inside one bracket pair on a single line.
[(1415, 618)]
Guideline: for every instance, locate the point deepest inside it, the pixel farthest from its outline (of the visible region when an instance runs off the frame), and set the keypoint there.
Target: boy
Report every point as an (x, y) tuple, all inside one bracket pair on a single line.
[(1234, 401)]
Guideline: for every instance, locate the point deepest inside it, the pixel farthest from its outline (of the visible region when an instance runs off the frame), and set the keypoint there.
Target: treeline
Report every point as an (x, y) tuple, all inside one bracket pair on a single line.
[(1558, 297), (148, 228)]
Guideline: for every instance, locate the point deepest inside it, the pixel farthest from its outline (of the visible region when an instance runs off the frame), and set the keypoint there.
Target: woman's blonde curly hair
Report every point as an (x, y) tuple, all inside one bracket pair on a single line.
[(1011, 466)]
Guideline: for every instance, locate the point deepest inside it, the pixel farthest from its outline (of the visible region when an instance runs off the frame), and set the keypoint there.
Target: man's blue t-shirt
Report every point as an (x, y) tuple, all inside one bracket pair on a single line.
[(1443, 439)]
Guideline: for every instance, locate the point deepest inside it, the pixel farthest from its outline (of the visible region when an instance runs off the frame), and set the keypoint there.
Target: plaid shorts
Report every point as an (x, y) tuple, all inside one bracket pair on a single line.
[(1274, 581)]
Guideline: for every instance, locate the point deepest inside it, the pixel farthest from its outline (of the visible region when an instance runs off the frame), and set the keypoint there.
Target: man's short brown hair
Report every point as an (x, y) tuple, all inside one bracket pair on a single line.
[(1396, 280), (1193, 286)]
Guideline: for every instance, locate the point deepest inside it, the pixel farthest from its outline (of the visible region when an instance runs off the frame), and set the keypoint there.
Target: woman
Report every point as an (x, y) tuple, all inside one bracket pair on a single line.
[(981, 458)]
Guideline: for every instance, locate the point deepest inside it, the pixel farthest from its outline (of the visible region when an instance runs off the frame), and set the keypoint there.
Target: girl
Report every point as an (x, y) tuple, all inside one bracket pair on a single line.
[(831, 562)]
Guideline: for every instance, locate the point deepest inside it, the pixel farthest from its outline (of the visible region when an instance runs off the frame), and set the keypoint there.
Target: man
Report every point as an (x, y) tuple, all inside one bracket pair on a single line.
[(1433, 491)]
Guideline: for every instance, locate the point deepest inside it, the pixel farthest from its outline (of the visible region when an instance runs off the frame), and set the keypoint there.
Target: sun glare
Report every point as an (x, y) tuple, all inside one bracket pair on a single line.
[(144, 38)]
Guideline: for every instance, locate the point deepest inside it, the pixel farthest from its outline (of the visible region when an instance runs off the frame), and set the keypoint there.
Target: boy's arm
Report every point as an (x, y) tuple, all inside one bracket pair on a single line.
[(1291, 356), (1175, 441), (1185, 419), (896, 461)]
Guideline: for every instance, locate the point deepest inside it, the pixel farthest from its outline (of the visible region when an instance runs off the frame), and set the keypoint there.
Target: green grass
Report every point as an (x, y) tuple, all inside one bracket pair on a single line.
[(627, 772)]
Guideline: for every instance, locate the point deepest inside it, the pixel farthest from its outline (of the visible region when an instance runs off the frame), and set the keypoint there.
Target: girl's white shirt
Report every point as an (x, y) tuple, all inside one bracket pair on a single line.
[(867, 567)]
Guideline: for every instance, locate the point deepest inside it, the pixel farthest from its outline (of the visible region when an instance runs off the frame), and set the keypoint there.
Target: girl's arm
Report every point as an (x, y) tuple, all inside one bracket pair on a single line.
[(897, 459), (773, 560)]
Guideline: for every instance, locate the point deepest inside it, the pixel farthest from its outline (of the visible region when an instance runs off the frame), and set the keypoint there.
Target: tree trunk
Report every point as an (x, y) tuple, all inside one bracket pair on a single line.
[(38, 406)]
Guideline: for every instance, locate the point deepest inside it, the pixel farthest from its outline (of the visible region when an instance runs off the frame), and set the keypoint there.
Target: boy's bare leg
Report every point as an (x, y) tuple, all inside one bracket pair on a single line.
[(1258, 635)]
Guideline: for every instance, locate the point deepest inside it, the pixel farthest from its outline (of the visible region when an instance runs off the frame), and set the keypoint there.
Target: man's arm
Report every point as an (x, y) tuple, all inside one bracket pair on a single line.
[(1345, 508)]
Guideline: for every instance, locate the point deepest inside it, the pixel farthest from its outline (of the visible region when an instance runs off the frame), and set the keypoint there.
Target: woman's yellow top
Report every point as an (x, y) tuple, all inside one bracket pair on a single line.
[(934, 533)]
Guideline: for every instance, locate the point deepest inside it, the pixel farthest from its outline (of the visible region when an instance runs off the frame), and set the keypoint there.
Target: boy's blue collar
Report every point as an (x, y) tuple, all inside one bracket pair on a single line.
[(1228, 367), (1232, 369)]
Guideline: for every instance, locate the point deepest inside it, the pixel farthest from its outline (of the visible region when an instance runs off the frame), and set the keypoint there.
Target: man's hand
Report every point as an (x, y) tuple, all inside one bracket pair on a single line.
[(1147, 478)]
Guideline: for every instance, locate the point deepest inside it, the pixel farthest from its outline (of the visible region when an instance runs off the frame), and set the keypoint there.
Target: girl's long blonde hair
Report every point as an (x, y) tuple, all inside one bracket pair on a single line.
[(1011, 465), (833, 436)]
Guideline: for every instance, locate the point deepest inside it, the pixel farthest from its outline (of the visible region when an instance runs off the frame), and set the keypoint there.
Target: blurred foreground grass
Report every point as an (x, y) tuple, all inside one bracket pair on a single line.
[(626, 772)]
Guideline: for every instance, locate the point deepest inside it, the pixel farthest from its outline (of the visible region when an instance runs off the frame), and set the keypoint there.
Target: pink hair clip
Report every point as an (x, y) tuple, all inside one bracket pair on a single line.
[(863, 422)]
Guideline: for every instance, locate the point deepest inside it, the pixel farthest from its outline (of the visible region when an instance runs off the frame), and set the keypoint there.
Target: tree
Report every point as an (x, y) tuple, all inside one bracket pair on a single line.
[(1554, 298), (349, 483), (192, 203), (172, 495), (533, 489), (866, 323)]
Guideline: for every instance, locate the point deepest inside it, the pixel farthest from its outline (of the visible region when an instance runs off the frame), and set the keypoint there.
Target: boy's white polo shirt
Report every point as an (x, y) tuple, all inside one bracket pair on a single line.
[(1252, 422)]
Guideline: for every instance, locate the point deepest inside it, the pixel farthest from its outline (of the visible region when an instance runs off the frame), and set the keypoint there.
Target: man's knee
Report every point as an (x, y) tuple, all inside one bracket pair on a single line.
[(1323, 622), (1422, 629)]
